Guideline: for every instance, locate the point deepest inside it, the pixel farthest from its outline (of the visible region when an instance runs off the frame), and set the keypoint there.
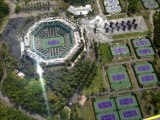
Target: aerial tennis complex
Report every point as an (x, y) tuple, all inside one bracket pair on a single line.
[(145, 74), (118, 78), (123, 107), (52, 40)]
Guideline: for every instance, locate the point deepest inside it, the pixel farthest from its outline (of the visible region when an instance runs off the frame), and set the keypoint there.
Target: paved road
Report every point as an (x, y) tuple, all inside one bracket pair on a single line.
[(129, 62), (99, 7), (116, 93)]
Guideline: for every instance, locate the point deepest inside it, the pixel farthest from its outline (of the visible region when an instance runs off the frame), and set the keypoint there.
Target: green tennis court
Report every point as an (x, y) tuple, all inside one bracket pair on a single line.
[(130, 114), (141, 42), (143, 67), (118, 78), (147, 79), (126, 101), (103, 105), (120, 50), (108, 116), (145, 52)]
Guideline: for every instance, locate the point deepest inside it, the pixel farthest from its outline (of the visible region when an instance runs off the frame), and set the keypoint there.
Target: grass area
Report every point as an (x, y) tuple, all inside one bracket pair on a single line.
[(116, 16), (97, 82), (140, 6), (105, 52), (129, 35), (148, 107), (95, 8), (156, 64), (124, 4), (3, 23), (86, 111)]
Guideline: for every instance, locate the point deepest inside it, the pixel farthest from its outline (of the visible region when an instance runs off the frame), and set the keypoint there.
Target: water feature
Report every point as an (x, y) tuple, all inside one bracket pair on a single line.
[(40, 73)]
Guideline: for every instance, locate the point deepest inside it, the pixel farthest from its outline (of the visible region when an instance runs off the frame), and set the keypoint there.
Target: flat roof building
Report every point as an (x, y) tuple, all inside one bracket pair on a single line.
[(81, 10)]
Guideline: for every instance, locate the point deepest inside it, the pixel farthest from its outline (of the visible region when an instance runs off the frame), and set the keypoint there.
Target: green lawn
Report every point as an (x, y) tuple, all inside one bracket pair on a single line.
[(116, 16), (105, 52), (124, 4), (129, 35), (86, 111), (3, 23), (97, 82)]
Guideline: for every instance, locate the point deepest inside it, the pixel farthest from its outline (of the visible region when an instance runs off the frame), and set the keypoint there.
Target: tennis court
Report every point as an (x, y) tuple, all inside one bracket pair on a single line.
[(130, 114), (141, 42), (103, 105), (118, 78), (148, 79), (144, 67), (145, 52), (150, 4), (52, 42), (126, 101), (120, 50), (123, 107), (112, 6), (108, 116)]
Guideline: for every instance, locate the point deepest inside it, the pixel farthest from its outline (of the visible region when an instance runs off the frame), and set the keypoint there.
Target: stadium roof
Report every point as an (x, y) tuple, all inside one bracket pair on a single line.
[(80, 10)]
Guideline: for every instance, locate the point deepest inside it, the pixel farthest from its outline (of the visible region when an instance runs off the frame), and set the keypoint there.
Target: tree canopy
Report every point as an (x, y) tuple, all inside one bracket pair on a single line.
[(156, 38), (4, 8), (11, 114), (78, 2), (60, 84), (132, 7)]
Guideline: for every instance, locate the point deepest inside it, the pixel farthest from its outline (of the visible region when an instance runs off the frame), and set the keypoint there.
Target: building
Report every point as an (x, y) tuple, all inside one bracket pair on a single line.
[(80, 10)]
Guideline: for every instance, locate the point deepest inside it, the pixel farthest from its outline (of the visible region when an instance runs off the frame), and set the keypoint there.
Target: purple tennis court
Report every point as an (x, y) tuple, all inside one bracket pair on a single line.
[(145, 52), (108, 117), (147, 78), (130, 113), (103, 105), (141, 43), (118, 77), (144, 68), (106, 104), (53, 42), (120, 50), (126, 101)]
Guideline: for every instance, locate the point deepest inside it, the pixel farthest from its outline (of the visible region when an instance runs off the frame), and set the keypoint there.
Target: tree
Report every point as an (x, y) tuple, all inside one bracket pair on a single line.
[(4, 8), (11, 114), (64, 114), (78, 2), (18, 8), (132, 7)]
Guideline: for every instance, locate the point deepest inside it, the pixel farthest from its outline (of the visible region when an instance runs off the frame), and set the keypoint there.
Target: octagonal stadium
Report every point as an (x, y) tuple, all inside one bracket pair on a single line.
[(52, 40)]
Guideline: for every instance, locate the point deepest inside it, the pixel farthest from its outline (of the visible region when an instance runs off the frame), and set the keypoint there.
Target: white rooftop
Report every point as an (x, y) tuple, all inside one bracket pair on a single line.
[(80, 10)]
